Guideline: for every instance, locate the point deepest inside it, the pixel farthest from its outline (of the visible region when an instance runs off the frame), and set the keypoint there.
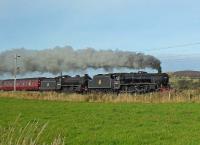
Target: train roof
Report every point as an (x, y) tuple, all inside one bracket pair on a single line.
[(132, 73), (24, 79)]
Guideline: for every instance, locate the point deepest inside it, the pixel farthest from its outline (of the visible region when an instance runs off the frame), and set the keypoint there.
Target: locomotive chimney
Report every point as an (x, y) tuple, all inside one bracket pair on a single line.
[(159, 69)]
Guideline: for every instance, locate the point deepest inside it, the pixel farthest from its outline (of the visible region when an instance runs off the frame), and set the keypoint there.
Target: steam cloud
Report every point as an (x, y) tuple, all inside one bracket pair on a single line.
[(67, 59)]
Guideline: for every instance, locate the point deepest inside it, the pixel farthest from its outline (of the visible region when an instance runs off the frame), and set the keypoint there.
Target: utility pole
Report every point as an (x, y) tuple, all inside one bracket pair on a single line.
[(15, 70)]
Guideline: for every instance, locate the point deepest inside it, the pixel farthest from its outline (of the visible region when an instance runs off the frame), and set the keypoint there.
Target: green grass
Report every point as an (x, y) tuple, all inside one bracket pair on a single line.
[(108, 123)]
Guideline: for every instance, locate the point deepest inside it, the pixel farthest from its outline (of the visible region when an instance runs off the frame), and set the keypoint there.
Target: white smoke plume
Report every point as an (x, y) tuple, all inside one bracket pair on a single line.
[(66, 59)]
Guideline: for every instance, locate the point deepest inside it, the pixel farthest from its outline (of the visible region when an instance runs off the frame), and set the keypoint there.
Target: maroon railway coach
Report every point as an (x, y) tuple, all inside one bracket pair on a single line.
[(28, 84)]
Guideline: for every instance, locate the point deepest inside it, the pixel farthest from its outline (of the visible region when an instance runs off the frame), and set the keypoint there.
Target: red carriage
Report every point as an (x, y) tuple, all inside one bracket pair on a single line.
[(29, 84)]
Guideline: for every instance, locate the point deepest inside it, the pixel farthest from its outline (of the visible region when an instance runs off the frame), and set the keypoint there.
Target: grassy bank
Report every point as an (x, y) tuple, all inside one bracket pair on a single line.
[(107, 123), (192, 95)]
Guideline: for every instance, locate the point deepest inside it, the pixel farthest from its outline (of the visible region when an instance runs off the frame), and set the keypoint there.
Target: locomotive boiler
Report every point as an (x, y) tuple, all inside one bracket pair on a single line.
[(75, 84)]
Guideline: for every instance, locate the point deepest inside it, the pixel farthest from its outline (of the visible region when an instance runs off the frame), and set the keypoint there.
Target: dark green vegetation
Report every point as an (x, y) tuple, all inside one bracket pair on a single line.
[(185, 80), (188, 84), (183, 83), (106, 123)]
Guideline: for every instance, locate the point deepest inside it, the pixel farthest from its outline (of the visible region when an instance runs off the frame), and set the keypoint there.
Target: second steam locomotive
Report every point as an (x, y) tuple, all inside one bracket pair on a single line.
[(141, 82)]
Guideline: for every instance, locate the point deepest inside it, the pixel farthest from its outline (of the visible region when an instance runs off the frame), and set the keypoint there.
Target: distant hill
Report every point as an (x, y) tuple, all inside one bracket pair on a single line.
[(187, 73)]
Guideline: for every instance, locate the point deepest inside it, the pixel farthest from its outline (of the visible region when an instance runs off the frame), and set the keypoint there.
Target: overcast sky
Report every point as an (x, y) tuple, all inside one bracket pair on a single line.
[(135, 25)]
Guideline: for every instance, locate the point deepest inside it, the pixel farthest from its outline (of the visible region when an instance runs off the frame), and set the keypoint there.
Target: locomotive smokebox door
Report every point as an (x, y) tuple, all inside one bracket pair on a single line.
[(101, 82)]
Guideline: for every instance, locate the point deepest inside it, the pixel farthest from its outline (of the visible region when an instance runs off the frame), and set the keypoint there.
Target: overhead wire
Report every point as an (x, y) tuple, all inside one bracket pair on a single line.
[(177, 57), (174, 46)]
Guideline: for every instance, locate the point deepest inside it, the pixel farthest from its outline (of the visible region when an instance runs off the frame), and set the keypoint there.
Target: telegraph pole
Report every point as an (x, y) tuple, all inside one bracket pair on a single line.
[(15, 70)]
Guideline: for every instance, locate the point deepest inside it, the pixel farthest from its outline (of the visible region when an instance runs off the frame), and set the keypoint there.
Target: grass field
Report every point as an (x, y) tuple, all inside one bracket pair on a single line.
[(172, 96), (107, 123)]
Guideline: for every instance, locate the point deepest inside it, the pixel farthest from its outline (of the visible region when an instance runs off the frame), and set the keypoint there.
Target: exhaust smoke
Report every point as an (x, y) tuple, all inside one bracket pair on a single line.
[(66, 59)]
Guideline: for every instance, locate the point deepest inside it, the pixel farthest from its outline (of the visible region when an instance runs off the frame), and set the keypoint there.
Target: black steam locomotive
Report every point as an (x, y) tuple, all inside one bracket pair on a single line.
[(141, 82), (66, 84)]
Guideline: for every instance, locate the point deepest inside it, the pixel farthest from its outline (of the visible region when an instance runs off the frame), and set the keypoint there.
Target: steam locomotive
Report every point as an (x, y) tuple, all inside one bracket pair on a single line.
[(141, 82)]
